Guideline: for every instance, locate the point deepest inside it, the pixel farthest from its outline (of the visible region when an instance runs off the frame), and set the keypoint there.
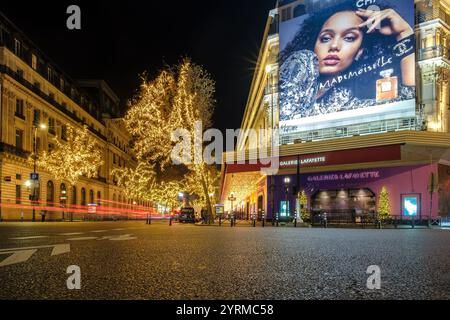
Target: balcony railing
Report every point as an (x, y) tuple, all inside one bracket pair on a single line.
[(7, 148), (432, 52)]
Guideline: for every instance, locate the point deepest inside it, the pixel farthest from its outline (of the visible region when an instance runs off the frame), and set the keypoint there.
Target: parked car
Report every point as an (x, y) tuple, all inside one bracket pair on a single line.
[(187, 215)]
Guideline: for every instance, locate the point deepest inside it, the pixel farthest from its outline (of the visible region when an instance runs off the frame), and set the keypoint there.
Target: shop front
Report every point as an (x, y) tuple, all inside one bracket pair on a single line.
[(357, 192)]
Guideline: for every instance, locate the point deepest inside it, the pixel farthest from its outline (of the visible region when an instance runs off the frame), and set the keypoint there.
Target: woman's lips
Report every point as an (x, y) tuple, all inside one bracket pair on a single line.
[(331, 60)]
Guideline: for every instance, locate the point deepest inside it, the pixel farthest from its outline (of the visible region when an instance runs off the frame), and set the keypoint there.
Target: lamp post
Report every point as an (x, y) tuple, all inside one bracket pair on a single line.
[(35, 177), (272, 142), (232, 198), (287, 182)]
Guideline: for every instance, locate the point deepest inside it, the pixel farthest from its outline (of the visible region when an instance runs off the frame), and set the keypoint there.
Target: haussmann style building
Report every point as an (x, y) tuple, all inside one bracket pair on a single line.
[(34, 91), (369, 128)]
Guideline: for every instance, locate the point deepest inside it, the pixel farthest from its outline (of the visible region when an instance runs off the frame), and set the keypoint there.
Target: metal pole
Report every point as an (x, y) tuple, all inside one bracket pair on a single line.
[(34, 171)]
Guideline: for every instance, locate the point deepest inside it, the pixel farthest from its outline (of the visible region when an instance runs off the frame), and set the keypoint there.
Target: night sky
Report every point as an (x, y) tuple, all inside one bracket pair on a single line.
[(121, 39)]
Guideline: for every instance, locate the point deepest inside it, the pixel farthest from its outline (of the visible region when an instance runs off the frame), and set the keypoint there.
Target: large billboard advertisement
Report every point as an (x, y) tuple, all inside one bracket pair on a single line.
[(345, 63)]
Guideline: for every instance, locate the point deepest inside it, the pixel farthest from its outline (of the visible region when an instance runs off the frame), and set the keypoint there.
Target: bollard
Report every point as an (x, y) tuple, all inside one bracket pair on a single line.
[(277, 220), (254, 223), (170, 221), (263, 220), (220, 221), (413, 223)]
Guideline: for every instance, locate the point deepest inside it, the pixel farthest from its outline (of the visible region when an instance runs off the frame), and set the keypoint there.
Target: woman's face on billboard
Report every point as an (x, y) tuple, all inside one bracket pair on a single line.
[(339, 43)]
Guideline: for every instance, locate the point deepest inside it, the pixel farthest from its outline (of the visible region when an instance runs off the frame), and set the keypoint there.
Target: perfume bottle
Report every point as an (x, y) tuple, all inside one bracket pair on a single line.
[(387, 88)]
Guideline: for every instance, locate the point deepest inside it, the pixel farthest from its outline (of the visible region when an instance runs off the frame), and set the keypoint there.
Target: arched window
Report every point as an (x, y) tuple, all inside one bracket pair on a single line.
[(99, 197), (119, 205), (91, 196), (299, 10), (50, 193), (62, 194), (74, 195), (83, 196)]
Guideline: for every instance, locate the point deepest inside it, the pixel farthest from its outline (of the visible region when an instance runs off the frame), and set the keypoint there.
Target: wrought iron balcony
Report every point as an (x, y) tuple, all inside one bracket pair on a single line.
[(7, 148)]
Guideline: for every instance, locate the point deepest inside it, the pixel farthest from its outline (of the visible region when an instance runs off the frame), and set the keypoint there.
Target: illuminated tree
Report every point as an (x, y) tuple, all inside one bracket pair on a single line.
[(72, 158), (167, 193), (137, 183), (384, 207), (178, 99), (195, 187), (304, 212)]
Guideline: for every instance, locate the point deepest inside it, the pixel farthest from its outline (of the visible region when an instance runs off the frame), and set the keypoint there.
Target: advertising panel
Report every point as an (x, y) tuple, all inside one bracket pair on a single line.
[(347, 63)]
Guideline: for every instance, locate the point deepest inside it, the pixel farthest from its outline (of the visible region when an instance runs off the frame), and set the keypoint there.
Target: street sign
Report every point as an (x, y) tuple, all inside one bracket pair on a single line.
[(92, 208), (232, 199), (34, 176)]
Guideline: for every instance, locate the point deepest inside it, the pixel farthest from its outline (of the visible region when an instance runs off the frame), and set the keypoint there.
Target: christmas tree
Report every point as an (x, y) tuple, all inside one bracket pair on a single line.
[(304, 212), (384, 208)]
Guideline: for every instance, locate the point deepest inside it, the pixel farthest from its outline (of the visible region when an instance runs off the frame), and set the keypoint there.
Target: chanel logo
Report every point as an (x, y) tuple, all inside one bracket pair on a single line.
[(403, 48)]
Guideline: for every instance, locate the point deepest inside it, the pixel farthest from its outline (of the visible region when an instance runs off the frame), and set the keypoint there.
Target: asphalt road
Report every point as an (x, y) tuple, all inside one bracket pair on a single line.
[(131, 260)]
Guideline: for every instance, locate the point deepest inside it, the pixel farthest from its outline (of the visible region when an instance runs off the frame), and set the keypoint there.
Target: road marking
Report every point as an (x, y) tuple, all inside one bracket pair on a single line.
[(71, 234), (99, 231), (19, 255), (29, 238), (120, 229), (123, 238), (82, 239), (60, 249)]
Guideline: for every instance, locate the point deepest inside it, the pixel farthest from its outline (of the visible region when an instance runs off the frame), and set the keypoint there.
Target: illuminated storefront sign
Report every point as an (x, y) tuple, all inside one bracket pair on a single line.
[(306, 161), (346, 176), (338, 68)]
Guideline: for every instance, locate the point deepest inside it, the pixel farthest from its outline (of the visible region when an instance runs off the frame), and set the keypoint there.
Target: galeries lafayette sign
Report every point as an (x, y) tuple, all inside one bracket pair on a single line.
[(332, 158)]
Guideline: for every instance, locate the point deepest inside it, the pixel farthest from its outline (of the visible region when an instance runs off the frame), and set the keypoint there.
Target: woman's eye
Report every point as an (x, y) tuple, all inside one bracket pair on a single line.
[(325, 39), (350, 38)]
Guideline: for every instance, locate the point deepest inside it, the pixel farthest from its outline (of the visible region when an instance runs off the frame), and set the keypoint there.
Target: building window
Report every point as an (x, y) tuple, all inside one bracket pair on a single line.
[(37, 85), (19, 139), (286, 14), (36, 117), (18, 194), (62, 195), (19, 108), (83, 196), (74, 195), (91, 196), (64, 132), (50, 193), (51, 146), (17, 47), (99, 197), (34, 61), (51, 126), (18, 176), (114, 158), (49, 74), (62, 84)]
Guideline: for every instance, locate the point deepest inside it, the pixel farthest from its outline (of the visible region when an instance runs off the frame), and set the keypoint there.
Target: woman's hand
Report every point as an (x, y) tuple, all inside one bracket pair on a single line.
[(396, 25)]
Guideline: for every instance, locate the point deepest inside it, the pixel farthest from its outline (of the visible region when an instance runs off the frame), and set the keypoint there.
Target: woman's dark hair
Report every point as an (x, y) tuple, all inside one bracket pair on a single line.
[(373, 44)]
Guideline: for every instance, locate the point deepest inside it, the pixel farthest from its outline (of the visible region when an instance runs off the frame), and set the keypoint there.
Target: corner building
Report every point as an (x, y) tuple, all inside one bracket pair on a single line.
[(347, 160), (34, 91)]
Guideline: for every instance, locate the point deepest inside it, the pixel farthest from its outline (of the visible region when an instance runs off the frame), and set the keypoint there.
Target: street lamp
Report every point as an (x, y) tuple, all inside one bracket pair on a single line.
[(35, 177), (287, 182), (268, 70), (232, 198)]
